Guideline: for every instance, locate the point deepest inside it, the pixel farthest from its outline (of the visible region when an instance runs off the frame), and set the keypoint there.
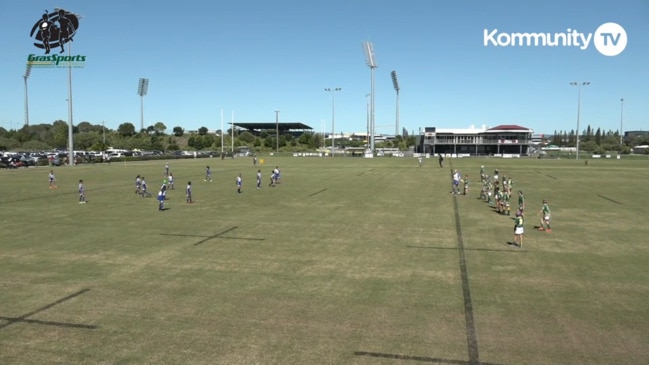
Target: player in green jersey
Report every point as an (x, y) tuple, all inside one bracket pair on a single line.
[(518, 229), (545, 217)]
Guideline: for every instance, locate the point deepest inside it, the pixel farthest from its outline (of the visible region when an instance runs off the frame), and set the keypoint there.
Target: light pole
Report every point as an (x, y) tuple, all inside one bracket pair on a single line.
[(370, 60), (579, 85), (395, 83), (367, 129), (222, 131), (333, 116), (621, 122), (63, 12), (71, 161), (142, 89), (276, 131), (28, 71)]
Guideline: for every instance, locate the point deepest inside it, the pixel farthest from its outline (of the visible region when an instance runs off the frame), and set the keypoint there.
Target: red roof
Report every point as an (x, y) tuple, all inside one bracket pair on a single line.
[(508, 127)]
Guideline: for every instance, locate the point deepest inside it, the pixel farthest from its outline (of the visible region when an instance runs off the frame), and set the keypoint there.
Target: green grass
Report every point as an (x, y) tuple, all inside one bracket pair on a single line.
[(347, 261)]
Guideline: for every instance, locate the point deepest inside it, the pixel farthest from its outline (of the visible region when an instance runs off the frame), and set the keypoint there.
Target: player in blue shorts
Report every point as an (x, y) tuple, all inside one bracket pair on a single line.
[(208, 174), (52, 179), (138, 184), (161, 197), (188, 191), (82, 192), (239, 183)]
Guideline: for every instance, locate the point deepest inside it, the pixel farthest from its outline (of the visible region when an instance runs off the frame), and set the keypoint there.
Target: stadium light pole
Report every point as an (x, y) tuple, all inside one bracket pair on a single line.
[(222, 131), (621, 121), (70, 130), (142, 89), (367, 113), (28, 71), (70, 121), (395, 83), (333, 116), (579, 85), (276, 131), (368, 49)]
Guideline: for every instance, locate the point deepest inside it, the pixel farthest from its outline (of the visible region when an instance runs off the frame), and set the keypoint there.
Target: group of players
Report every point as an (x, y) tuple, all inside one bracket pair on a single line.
[(167, 184), (497, 192), (81, 189), (142, 188)]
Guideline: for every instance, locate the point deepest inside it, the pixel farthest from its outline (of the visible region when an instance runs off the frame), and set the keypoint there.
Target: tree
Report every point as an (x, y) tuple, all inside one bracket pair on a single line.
[(160, 128), (556, 138), (126, 129), (202, 131), (247, 137), (84, 127), (178, 131), (198, 143), (83, 141), (208, 140), (588, 133)]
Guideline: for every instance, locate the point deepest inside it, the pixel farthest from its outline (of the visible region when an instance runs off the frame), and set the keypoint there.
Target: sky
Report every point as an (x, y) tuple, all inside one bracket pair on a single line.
[(211, 63)]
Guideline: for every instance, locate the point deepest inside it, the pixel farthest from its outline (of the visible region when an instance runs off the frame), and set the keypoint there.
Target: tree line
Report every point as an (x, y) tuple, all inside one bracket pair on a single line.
[(96, 137), (598, 141)]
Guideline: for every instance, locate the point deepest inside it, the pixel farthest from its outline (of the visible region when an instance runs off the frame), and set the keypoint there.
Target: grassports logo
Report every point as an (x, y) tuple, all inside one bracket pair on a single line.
[(610, 39), (52, 32)]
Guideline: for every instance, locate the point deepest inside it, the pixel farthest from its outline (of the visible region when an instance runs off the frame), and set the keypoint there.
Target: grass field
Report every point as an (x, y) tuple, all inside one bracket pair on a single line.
[(347, 261)]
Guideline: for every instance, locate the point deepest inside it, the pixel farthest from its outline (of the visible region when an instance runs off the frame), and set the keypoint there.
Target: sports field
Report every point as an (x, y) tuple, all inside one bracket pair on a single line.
[(346, 261)]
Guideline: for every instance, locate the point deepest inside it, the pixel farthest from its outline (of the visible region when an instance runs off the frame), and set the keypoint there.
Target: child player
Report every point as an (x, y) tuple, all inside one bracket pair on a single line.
[(518, 229), (545, 217), (208, 174), (52, 180), (161, 197), (82, 193), (239, 183), (171, 181), (505, 201), (188, 190)]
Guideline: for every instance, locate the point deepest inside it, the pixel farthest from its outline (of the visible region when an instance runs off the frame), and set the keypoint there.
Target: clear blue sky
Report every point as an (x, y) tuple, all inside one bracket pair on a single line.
[(252, 57)]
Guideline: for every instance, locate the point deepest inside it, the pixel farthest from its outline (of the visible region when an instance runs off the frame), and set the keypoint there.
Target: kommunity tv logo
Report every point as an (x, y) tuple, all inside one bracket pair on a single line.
[(610, 39)]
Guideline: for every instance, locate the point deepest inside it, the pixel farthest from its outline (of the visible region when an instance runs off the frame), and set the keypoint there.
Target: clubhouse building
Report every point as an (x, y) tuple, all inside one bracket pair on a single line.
[(502, 140)]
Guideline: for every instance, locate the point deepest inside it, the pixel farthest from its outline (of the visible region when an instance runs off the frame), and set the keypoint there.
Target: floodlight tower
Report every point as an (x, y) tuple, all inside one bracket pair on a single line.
[(333, 116), (277, 131), (71, 158), (28, 71), (368, 49), (621, 122), (367, 127), (579, 85), (395, 82), (142, 89)]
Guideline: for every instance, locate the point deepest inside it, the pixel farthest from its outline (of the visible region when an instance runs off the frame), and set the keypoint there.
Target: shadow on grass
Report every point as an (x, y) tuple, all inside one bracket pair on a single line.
[(24, 317)]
